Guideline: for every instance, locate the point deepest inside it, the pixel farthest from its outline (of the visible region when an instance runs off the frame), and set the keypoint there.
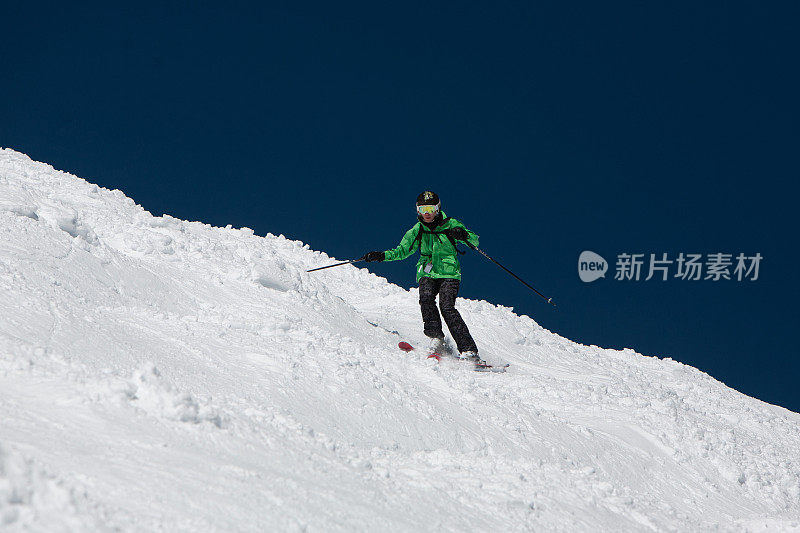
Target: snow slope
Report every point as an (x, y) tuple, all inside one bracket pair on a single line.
[(164, 375)]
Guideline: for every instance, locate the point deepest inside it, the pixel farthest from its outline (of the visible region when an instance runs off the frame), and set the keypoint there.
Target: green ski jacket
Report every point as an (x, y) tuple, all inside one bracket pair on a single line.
[(434, 247)]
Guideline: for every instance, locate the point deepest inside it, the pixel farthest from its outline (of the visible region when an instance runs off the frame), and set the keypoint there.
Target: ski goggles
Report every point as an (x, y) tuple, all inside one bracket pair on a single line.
[(427, 209)]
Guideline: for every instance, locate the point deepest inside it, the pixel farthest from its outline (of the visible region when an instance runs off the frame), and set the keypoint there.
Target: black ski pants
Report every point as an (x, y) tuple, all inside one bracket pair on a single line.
[(447, 289)]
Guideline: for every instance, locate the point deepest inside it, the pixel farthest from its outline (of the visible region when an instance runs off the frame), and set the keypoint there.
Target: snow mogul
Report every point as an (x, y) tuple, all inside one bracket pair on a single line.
[(438, 272)]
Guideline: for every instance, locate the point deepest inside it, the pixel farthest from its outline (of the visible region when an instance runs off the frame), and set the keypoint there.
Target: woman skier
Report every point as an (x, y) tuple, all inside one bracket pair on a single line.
[(438, 272)]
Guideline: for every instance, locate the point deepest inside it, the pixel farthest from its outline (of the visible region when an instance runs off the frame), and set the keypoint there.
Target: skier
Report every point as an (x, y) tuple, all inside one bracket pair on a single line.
[(438, 272)]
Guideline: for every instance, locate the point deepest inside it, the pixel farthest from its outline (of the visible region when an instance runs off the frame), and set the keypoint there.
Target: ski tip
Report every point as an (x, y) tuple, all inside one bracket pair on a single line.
[(436, 356), (405, 346)]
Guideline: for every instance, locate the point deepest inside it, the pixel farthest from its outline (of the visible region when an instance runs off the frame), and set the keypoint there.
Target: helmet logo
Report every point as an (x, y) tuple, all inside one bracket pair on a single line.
[(428, 195)]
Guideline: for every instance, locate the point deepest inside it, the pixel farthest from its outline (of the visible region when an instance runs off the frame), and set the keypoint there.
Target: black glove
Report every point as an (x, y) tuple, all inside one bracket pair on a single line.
[(375, 256), (459, 234)]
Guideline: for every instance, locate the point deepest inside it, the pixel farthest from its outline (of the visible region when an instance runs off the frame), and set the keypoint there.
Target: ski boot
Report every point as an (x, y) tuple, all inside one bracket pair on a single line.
[(471, 357), (437, 345)]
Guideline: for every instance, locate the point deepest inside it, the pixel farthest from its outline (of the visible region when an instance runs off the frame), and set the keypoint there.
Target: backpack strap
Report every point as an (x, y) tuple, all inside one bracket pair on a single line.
[(418, 238), (422, 230)]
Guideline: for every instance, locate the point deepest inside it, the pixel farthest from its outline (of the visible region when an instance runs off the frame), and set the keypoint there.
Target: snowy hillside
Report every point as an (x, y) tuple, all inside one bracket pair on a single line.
[(163, 375)]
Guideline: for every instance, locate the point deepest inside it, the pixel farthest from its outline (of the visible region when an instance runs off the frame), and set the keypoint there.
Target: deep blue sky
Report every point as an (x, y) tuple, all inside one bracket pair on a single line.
[(547, 128)]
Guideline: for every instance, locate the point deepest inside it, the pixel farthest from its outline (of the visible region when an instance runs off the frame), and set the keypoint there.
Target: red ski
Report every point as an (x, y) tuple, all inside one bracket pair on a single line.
[(479, 367), (407, 348)]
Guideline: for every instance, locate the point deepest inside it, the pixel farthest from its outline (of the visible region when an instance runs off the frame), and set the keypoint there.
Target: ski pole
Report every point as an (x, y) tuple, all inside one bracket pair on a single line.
[(338, 264), (484, 254)]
